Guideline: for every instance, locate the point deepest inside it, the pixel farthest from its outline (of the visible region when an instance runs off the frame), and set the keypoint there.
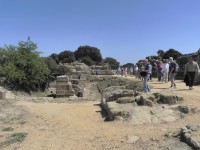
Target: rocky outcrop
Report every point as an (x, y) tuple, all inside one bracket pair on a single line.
[(167, 98), (125, 104), (190, 134), (114, 95)]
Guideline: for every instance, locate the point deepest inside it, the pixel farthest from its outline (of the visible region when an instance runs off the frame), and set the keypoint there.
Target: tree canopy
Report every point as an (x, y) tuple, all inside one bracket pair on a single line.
[(22, 68), (66, 56), (172, 53), (88, 53), (113, 63)]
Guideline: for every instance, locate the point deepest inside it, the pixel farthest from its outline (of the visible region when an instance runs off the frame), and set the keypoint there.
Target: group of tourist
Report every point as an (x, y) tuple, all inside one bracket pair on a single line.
[(167, 71), (124, 71)]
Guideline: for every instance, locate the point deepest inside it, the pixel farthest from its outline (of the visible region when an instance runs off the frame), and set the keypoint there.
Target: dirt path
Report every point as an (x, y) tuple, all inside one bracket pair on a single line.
[(81, 126)]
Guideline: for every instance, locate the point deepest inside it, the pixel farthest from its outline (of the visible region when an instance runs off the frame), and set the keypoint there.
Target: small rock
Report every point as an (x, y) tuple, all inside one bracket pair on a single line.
[(184, 109)]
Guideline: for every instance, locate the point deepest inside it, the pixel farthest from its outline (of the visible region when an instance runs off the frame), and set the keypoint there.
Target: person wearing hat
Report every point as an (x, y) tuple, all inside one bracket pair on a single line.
[(191, 69), (172, 72)]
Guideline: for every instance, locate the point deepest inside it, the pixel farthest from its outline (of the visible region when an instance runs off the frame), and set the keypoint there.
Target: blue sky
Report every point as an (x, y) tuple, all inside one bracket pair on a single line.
[(127, 30)]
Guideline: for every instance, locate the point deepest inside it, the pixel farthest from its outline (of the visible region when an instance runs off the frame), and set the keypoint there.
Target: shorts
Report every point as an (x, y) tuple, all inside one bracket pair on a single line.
[(172, 76)]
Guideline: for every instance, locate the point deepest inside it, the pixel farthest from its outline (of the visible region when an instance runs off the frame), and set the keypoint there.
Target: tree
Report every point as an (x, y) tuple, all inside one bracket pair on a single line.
[(88, 52), (55, 69), (160, 53), (113, 63), (66, 57), (129, 65), (22, 68), (88, 61), (172, 53), (55, 57)]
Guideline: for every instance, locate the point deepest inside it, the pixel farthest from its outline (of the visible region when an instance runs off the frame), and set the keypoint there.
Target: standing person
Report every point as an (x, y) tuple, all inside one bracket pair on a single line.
[(125, 71), (159, 69), (136, 71), (191, 68), (131, 71), (172, 72), (142, 68), (165, 71), (122, 71), (148, 70)]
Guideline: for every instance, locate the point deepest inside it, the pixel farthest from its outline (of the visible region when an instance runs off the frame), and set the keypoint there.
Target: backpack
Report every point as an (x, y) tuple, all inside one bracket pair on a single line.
[(177, 68)]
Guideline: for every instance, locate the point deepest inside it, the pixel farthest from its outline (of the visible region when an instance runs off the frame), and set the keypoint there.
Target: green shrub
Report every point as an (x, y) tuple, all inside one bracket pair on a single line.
[(22, 68)]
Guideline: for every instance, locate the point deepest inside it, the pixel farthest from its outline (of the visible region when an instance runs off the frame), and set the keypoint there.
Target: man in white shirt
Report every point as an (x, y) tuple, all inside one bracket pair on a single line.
[(165, 71)]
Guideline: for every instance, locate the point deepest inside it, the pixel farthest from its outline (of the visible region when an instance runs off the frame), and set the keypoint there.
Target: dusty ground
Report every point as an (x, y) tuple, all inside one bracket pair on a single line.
[(82, 126)]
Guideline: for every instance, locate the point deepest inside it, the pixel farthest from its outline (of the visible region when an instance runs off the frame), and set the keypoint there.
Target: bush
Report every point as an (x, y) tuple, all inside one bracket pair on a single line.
[(22, 68)]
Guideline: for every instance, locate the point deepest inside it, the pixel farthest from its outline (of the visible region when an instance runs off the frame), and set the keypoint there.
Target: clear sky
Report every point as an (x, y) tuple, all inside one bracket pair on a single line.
[(127, 30)]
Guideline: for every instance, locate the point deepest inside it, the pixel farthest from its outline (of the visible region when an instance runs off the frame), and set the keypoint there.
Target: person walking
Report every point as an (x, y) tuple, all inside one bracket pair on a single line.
[(148, 70), (165, 71), (172, 72), (191, 69)]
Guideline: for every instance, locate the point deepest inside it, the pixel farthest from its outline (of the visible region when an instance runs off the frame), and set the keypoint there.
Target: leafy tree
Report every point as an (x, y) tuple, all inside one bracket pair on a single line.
[(85, 52), (114, 64), (172, 53), (55, 69), (129, 65), (66, 57), (152, 58), (22, 68), (62, 70), (160, 53), (88, 61), (55, 57)]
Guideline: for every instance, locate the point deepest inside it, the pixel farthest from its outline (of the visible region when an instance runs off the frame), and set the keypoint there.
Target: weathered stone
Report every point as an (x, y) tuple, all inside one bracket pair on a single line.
[(179, 98), (151, 98), (168, 99), (114, 95), (85, 77), (157, 95), (187, 135), (115, 110), (113, 88), (147, 102), (124, 100), (136, 93), (63, 78), (137, 99), (193, 127), (63, 86), (184, 109)]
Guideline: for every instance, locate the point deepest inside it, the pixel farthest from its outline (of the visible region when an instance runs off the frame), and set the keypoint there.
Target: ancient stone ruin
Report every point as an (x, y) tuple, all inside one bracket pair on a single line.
[(64, 86), (72, 84), (140, 108), (122, 101)]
